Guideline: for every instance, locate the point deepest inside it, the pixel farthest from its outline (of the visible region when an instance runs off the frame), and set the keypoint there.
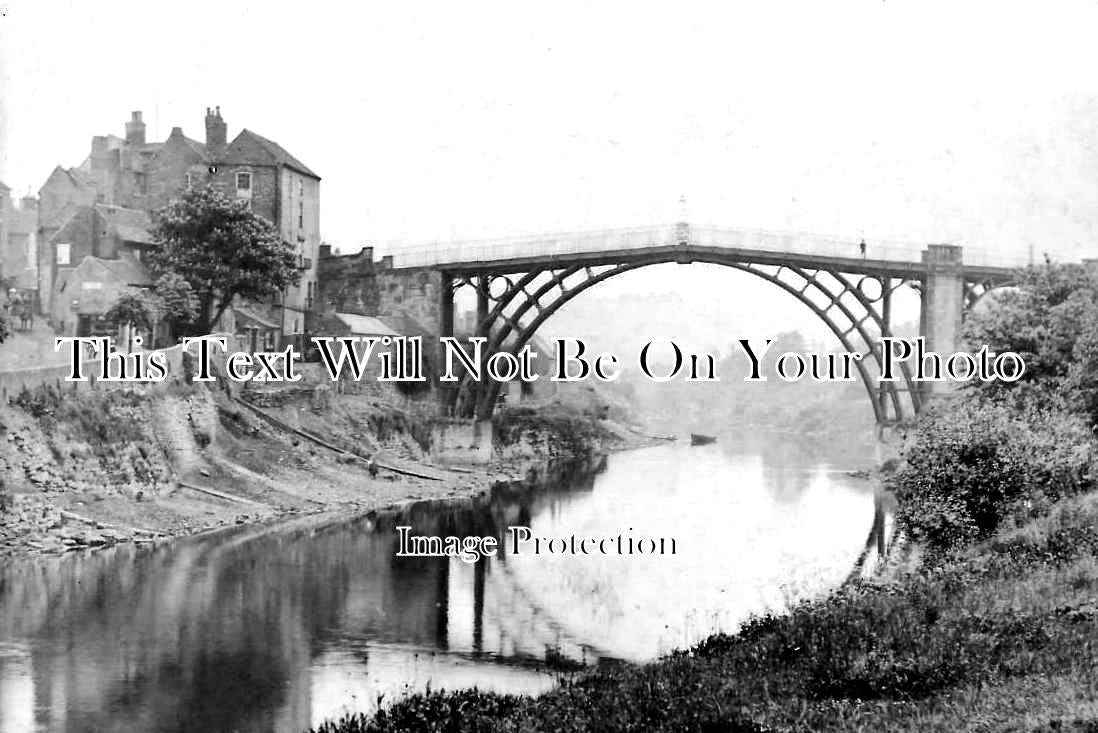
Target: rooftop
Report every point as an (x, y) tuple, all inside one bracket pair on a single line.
[(278, 154), (130, 225)]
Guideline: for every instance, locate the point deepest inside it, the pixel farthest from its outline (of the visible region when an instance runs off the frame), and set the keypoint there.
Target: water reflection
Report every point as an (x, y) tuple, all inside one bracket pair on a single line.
[(278, 628)]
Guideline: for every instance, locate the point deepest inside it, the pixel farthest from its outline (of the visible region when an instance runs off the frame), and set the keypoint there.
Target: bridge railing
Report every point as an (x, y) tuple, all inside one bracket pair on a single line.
[(760, 240), (802, 243), (564, 243), (823, 246)]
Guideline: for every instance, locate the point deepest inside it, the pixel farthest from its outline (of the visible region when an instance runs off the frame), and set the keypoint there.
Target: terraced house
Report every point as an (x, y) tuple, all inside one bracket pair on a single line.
[(102, 210)]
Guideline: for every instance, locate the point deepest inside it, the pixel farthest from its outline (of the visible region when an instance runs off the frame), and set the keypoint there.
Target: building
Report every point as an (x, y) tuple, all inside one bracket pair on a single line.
[(102, 208), (97, 253), (337, 325), (349, 283), (88, 290), (18, 242), (281, 189)]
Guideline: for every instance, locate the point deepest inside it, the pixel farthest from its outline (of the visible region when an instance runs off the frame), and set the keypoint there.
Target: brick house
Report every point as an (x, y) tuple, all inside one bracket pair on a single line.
[(283, 190), (112, 236), (125, 179)]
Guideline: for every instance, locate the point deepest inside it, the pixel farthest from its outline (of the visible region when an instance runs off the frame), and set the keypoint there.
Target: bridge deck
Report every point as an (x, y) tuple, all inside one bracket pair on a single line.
[(686, 243)]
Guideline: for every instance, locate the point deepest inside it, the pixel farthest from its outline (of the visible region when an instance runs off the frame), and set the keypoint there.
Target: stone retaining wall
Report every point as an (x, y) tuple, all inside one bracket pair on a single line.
[(13, 382)]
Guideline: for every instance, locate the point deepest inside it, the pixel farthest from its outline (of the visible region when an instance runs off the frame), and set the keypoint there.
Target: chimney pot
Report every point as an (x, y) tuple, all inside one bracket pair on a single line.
[(135, 129), (216, 130)]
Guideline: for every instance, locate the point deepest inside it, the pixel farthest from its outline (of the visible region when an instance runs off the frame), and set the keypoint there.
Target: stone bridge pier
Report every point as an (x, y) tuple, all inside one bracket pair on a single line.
[(942, 306)]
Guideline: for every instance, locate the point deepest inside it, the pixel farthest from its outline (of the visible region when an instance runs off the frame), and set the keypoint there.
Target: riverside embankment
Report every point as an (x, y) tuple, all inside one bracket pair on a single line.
[(99, 467)]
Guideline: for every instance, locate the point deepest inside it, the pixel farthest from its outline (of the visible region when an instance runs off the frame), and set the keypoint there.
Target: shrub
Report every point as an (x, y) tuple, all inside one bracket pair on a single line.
[(569, 431), (41, 403), (389, 422), (969, 466)]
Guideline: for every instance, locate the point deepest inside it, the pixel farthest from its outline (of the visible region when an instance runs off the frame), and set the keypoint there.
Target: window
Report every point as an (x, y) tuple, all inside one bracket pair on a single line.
[(91, 285), (187, 178), (63, 254), (300, 214), (244, 185)]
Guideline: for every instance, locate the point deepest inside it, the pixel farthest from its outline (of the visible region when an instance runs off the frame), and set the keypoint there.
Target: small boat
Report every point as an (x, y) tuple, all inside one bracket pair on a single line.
[(699, 439)]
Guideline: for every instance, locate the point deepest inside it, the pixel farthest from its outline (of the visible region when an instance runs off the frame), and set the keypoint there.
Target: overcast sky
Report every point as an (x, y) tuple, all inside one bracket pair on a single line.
[(922, 121)]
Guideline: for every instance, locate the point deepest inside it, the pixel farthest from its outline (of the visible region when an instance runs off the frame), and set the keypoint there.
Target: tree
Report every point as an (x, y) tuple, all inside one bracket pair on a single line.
[(173, 300), (1051, 320), (136, 308), (222, 250), (178, 301)]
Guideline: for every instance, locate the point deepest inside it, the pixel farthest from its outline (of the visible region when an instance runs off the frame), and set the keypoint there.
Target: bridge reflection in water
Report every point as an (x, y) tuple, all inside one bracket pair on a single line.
[(279, 628)]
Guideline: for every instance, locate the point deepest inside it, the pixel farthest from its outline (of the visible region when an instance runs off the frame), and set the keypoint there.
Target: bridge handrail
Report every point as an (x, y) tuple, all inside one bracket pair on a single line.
[(557, 243), (596, 240)]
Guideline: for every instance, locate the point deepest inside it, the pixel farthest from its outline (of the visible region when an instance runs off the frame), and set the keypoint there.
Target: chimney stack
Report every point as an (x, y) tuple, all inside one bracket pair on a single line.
[(135, 129), (100, 153), (215, 130)]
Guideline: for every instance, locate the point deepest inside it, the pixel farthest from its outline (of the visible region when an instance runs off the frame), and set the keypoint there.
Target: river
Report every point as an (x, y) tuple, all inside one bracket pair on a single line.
[(278, 628)]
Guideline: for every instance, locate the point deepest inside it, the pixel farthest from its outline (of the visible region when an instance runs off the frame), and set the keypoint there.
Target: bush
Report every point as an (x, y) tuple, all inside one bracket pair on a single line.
[(390, 422), (971, 465), (40, 403), (568, 430)]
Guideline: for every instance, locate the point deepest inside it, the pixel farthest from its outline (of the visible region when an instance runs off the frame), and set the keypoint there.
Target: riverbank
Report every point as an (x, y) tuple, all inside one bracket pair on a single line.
[(998, 637), (101, 468)]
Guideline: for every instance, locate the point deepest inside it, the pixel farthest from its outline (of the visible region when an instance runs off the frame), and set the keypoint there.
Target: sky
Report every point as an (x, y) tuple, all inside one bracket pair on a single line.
[(969, 123)]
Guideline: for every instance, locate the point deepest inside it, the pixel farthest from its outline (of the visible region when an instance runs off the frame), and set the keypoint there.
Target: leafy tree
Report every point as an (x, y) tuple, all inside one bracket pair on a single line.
[(137, 308), (173, 300), (223, 250), (178, 302), (5, 329), (1051, 319)]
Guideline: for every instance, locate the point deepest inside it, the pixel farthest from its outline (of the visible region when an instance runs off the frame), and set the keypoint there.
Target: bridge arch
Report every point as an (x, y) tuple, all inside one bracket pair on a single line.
[(855, 307), (976, 290)]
